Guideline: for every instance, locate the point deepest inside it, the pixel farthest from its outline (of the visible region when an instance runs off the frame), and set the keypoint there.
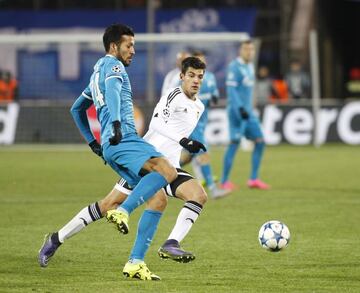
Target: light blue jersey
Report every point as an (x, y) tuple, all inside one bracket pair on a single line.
[(121, 108), (110, 91), (240, 82), (207, 91)]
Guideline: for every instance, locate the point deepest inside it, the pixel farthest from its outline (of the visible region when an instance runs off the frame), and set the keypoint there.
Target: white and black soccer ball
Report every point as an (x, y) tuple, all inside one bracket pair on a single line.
[(274, 235)]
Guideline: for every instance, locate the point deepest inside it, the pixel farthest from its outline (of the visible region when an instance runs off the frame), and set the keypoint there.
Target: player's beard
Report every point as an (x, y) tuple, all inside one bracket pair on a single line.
[(120, 57), (123, 61)]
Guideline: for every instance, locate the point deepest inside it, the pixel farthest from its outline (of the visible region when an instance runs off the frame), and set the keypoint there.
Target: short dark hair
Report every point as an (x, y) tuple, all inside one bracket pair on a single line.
[(193, 62), (114, 32)]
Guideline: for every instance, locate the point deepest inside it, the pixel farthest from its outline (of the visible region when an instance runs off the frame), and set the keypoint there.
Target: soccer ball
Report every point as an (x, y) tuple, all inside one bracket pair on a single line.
[(274, 235)]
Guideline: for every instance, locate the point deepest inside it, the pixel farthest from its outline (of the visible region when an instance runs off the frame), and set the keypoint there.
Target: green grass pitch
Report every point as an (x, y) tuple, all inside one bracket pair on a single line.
[(316, 192)]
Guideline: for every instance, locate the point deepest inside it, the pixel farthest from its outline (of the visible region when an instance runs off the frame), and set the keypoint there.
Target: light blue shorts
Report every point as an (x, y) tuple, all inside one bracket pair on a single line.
[(239, 127), (129, 156)]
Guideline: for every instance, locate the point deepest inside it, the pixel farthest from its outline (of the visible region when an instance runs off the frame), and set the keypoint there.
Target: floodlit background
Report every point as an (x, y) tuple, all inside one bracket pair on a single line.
[(307, 62)]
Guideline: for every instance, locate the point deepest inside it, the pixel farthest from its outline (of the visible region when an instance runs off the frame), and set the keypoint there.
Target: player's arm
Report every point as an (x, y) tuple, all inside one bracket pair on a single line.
[(113, 84), (214, 92), (78, 112), (233, 81)]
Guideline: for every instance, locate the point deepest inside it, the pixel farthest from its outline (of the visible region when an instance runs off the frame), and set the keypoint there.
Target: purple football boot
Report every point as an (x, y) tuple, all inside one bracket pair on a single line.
[(171, 250), (48, 249)]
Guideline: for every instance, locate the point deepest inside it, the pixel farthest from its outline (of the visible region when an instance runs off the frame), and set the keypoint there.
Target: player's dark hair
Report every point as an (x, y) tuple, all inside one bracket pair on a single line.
[(193, 62), (113, 34)]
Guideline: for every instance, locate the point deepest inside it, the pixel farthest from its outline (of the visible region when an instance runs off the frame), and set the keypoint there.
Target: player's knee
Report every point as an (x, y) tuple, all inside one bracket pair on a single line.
[(199, 195), (158, 202), (170, 173), (235, 141), (163, 167)]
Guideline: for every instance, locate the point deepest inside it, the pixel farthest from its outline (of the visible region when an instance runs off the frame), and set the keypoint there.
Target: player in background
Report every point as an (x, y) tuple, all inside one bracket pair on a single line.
[(208, 94), (129, 155), (174, 118), (172, 78), (240, 82)]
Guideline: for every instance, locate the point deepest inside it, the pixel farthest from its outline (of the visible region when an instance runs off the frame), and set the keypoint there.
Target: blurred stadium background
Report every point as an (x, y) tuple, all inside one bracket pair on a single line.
[(48, 48)]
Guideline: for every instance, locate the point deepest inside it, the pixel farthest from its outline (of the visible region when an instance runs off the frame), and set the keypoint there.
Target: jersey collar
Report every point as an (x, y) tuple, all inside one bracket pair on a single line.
[(109, 55), (240, 60)]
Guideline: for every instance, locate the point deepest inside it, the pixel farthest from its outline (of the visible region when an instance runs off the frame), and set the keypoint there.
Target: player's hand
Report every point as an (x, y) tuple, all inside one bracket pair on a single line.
[(192, 146), (214, 100), (96, 148), (116, 133), (244, 115)]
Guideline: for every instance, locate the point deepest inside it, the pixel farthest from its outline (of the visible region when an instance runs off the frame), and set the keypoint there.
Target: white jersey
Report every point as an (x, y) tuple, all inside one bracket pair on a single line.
[(175, 116), (172, 80)]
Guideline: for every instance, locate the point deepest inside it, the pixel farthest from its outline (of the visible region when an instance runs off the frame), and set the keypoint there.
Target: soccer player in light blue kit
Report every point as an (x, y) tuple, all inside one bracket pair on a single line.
[(209, 93), (240, 82), (129, 155)]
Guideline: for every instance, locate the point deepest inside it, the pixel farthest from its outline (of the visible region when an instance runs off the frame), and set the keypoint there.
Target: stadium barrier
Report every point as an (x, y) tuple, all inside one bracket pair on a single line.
[(49, 122)]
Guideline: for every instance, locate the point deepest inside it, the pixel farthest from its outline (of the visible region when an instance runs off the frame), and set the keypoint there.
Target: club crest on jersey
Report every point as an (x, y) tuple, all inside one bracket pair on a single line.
[(166, 112), (116, 69)]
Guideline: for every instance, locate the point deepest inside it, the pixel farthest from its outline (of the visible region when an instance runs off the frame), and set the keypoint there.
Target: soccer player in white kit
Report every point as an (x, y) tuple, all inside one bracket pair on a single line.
[(172, 78), (174, 119)]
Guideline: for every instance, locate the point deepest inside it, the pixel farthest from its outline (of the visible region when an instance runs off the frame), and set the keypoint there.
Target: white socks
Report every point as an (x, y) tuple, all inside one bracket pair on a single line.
[(86, 216), (186, 218)]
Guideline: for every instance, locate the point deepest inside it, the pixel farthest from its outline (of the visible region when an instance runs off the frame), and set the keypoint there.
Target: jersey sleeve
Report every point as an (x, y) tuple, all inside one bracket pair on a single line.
[(78, 112), (114, 70), (214, 88), (163, 113), (87, 93), (233, 81), (113, 86)]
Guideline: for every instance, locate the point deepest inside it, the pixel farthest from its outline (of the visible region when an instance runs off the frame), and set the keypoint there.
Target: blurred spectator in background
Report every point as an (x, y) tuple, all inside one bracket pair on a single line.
[(8, 87), (280, 90), (353, 83), (298, 81), (262, 90), (172, 78)]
